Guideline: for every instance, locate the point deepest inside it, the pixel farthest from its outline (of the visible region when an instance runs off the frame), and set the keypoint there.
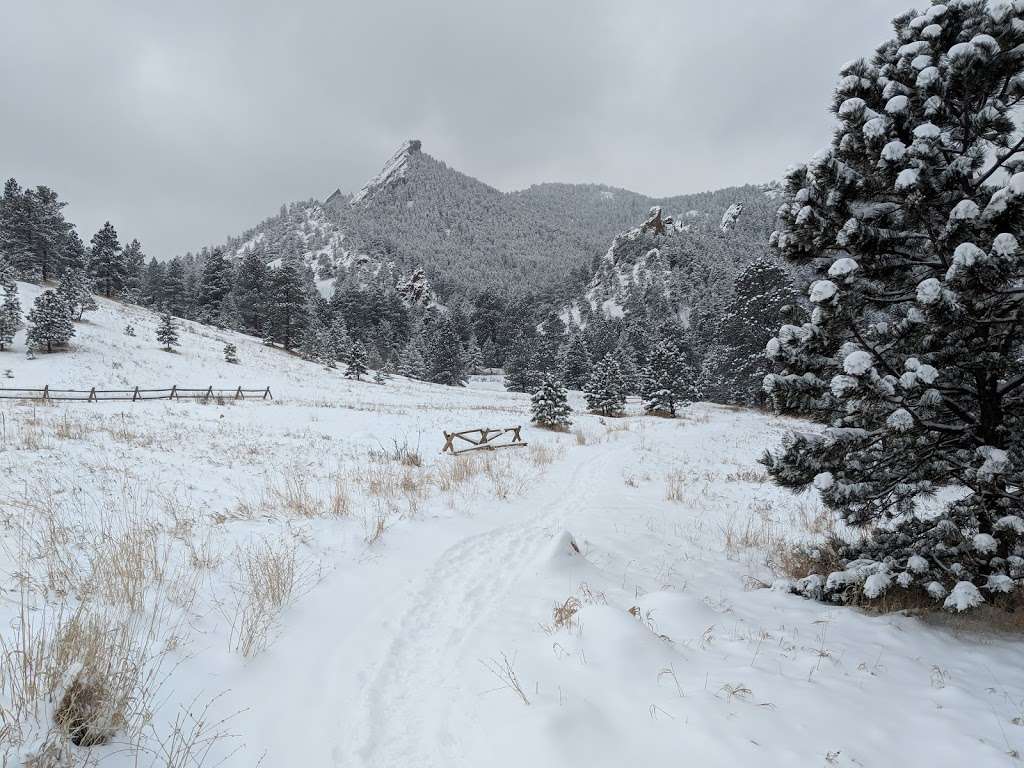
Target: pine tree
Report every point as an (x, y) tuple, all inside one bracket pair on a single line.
[(50, 322), (550, 405), (576, 362), (134, 268), (287, 303), (10, 308), (340, 341), (914, 351), (735, 366), (474, 356), (106, 261), (167, 332), (411, 363), (250, 292), (605, 392), (444, 355), (489, 353), (521, 374), (16, 230), (175, 294), (214, 289), (74, 288), (230, 353), (378, 377), (49, 233), (669, 380), (355, 363)]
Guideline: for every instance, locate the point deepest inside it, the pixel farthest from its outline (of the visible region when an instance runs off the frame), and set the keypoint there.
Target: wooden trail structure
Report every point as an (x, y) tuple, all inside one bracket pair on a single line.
[(482, 440), (93, 395)]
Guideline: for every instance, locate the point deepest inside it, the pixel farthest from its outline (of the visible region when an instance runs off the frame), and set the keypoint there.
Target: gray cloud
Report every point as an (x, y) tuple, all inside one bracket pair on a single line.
[(185, 122)]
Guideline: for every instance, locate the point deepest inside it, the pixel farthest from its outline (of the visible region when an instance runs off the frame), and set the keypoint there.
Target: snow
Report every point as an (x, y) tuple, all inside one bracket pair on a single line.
[(876, 584), (985, 544), (965, 210), (995, 461), (928, 76), (965, 256), (917, 564), (929, 291), (851, 107), (900, 420), (393, 170), (842, 267), (821, 291), (858, 363), (897, 104), (823, 481), (907, 178), (894, 151), (875, 127), (927, 131), (964, 596), (384, 656)]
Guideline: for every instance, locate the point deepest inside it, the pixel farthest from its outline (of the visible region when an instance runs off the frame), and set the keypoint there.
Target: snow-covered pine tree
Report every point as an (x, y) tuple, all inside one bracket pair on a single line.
[(444, 364), (49, 322), (287, 303), (215, 286), (913, 353), (250, 292), (16, 230), (10, 308), (669, 380), (340, 341), (489, 353), (134, 268), (521, 374), (167, 332), (549, 405), (129, 329), (106, 261), (355, 363), (474, 356), (379, 377), (230, 353), (74, 288), (411, 363), (605, 393), (735, 366), (576, 362)]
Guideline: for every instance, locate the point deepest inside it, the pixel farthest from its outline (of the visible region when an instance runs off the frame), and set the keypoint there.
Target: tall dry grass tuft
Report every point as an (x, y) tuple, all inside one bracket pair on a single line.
[(269, 580)]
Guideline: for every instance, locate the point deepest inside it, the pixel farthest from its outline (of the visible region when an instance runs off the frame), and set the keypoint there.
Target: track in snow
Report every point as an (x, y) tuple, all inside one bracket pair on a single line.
[(406, 705)]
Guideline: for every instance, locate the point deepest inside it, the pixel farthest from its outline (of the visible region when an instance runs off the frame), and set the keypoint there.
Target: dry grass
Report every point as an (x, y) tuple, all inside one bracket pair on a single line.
[(295, 494), (87, 671), (541, 455), (675, 482), (452, 473), (269, 581), (563, 615)]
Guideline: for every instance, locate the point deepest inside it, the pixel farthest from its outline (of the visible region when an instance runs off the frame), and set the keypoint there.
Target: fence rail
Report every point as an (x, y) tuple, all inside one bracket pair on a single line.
[(482, 439), (94, 395)]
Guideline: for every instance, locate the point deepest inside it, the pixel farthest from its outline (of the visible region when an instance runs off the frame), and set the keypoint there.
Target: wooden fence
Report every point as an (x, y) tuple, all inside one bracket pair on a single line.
[(486, 439), (49, 394)]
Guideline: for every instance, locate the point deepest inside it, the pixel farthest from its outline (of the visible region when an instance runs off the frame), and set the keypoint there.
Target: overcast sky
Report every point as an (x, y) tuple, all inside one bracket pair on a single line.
[(184, 122)]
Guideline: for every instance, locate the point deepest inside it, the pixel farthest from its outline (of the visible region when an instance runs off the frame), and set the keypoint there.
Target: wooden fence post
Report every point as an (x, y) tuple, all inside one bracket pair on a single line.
[(46, 392), (209, 395), (239, 395), (174, 392), (136, 395), (267, 394), (92, 396)]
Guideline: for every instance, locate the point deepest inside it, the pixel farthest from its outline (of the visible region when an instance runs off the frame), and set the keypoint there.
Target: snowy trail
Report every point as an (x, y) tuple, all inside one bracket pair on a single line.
[(406, 706)]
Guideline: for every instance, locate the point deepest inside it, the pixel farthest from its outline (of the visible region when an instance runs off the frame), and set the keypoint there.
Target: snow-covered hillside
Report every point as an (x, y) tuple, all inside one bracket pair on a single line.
[(314, 571)]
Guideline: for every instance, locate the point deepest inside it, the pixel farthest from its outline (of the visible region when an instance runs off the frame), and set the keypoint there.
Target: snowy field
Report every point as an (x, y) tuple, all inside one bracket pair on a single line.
[(308, 582)]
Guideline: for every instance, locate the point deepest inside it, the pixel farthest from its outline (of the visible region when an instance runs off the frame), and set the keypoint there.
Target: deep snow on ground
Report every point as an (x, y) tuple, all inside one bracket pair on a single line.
[(392, 649)]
